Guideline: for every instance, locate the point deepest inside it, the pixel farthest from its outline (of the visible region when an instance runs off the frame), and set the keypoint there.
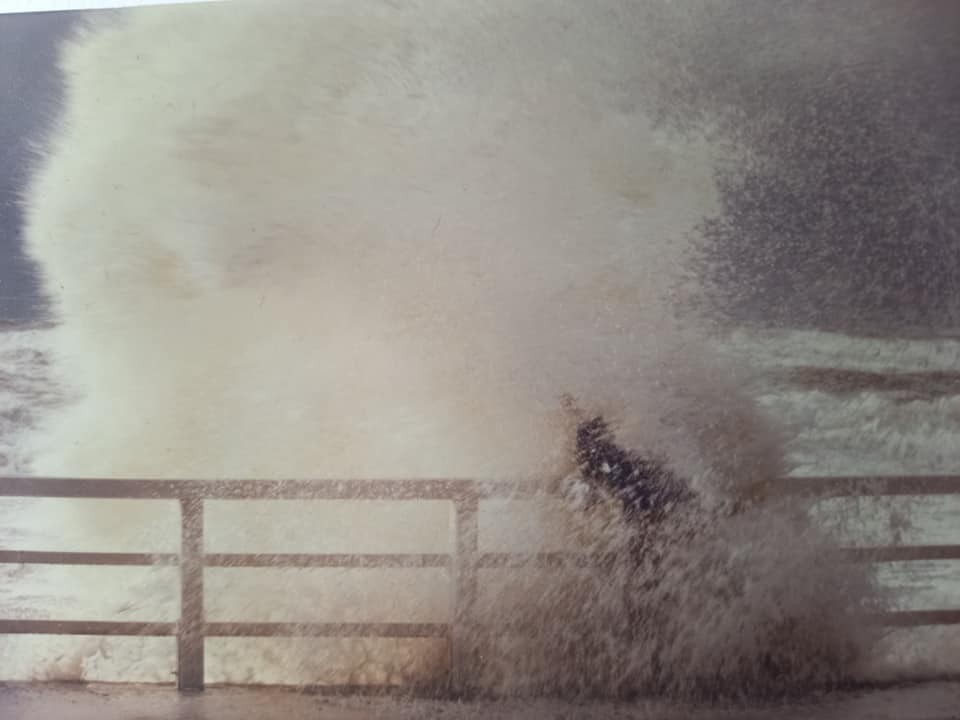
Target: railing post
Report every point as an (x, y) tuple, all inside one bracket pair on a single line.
[(190, 628), (464, 591)]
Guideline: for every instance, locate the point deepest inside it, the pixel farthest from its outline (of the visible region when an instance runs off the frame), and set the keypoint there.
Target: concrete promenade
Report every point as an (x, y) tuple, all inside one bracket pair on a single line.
[(927, 701)]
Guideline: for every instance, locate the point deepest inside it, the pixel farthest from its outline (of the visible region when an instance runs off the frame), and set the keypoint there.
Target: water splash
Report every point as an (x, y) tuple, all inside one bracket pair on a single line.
[(331, 239)]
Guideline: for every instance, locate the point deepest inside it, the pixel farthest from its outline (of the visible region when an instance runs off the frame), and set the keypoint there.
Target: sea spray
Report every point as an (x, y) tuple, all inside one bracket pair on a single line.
[(338, 239), (710, 608)]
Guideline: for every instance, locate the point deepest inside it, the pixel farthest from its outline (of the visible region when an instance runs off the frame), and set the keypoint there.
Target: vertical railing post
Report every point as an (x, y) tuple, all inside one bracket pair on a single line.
[(190, 628), (464, 594)]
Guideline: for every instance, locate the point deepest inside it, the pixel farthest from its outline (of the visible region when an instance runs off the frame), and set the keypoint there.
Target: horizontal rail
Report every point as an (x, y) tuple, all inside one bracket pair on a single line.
[(34, 557), (918, 618), (419, 489), (896, 553), (228, 560), (226, 629), (426, 690), (87, 627), (897, 618), (868, 486), (328, 630), (356, 489), (543, 560), (902, 553)]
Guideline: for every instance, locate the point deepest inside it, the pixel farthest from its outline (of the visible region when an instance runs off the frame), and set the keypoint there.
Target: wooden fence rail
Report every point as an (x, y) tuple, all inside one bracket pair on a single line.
[(464, 562)]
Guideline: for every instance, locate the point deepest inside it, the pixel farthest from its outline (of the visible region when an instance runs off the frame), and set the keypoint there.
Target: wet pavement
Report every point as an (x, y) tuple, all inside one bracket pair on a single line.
[(928, 701)]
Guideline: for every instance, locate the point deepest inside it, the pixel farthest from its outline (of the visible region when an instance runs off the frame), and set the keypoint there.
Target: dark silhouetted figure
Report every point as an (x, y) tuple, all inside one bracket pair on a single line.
[(644, 486)]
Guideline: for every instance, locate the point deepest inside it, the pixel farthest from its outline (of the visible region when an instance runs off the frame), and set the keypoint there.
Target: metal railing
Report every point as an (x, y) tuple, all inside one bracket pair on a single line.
[(463, 562)]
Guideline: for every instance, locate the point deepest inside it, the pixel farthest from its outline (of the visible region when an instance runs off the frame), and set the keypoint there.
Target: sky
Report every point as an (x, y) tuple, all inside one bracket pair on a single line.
[(29, 90)]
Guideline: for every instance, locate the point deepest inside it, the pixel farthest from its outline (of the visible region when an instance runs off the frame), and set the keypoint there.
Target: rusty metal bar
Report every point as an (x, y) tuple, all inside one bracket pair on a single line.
[(899, 618), (236, 489), (890, 553), (330, 630), (918, 618), (867, 486), (302, 560), (337, 489), (91, 488), (355, 489), (905, 553), (190, 656), (33, 557), (543, 560), (464, 590), (86, 627), (420, 489)]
